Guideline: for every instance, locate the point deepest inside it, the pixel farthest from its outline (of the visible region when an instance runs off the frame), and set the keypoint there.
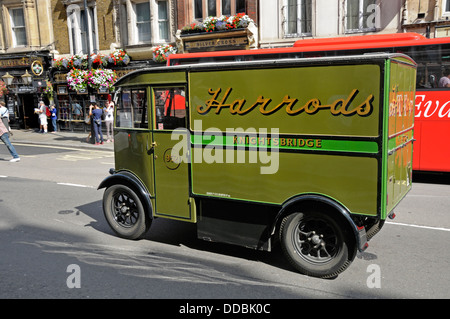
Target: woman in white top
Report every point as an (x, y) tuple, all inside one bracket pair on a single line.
[(109, 119), (43, 116)]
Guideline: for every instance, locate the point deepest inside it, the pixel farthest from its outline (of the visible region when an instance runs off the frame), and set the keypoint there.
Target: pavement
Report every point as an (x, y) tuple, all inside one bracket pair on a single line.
[(61, 138)]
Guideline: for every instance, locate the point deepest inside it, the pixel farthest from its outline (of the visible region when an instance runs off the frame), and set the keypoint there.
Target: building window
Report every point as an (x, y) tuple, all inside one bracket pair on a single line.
[(145, 22), (362, 15), (82, 30), (212, 11), (163, 20), (231, 7), (142, 12), (206, 8), (19, 35), (445, 7), (198, 9), (297, 18)]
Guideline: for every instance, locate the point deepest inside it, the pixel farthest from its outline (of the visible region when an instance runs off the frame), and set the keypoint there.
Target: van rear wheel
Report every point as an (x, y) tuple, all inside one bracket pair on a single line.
[(124, 212), (315, 244)]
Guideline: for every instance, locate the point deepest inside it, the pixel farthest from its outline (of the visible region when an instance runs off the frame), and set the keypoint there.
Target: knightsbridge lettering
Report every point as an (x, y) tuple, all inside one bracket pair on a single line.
[(267, 107)]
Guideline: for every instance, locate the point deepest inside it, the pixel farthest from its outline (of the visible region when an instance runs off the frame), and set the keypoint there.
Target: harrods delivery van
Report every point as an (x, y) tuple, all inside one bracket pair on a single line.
[(313, 153)]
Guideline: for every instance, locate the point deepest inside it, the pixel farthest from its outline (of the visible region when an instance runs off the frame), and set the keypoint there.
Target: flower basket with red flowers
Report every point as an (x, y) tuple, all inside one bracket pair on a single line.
[(160, 53)]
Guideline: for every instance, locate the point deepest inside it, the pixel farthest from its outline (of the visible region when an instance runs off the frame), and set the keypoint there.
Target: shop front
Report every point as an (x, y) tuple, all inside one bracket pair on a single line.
[(23, 81), (73, 105), (75, 86)]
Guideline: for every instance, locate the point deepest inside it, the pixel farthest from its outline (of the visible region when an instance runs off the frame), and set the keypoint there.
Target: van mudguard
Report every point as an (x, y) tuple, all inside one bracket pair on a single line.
[(129, 179), (359, 232)]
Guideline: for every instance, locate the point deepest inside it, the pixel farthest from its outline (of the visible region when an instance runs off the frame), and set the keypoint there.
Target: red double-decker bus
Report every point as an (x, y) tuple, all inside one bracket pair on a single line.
[(432, 119)]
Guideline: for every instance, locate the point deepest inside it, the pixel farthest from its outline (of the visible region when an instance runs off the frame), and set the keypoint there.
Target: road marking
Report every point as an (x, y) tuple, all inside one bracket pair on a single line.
[(75, 185), (85, 155), (3, 176), (419, 226), (51, 146)]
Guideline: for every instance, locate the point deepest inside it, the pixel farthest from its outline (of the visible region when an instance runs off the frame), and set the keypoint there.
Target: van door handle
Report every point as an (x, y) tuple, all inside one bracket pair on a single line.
[(152, 149)]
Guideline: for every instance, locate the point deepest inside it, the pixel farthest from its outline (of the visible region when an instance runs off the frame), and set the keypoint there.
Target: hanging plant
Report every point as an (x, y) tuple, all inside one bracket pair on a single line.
[(76, 79), (98, 60), (62, 63), (211, 24), (101, 78), (119, 57), (3, 88), (79, 61), (160, 53), (49, 89)]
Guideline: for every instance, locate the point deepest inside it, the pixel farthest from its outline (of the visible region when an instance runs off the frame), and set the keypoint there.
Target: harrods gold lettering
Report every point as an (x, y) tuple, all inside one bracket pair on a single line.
[(277, 142), (337, 107)]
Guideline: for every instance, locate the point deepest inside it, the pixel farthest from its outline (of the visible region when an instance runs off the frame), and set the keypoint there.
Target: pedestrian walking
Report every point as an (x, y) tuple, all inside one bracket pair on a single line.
[(109, 119), (4, 136), (96, 113), (4, 115)]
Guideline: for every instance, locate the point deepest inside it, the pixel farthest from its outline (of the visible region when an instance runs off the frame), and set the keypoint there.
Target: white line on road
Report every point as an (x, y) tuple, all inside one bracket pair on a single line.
[(419, 226), (75, 185)]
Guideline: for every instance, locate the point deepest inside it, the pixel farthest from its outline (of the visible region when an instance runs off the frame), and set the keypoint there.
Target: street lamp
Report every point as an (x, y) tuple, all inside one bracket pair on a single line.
[(8, 78), (26, 78)]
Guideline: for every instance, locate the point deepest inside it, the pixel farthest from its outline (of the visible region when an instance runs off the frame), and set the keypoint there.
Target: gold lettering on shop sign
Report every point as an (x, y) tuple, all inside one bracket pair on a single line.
[(265, 106)]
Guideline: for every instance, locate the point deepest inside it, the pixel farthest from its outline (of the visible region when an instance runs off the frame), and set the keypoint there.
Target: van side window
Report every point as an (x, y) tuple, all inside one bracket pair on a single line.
[(132, 109), (170, 108)]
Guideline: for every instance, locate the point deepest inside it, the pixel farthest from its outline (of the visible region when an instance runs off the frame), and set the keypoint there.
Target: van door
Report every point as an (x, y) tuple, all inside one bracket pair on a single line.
[(171, 174), (132, 135)]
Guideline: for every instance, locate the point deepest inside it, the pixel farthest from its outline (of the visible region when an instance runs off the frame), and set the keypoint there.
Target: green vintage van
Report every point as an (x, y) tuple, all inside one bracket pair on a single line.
[(314, 153)]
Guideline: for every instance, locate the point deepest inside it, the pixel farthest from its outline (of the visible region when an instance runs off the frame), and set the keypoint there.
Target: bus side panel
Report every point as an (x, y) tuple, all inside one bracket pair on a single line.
[(350, 180), (431, 131)]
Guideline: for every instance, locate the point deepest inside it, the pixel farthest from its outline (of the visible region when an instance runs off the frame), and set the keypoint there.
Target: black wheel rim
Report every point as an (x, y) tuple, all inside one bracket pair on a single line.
[(124, 209), (316, 241)]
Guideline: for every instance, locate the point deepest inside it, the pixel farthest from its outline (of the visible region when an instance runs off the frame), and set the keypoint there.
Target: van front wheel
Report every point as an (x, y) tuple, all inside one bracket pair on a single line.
[(124, 212), (315, 244)]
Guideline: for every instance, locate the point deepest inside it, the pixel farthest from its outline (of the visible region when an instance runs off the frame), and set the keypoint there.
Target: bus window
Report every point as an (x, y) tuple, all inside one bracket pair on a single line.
[(132, 109), (170, 108)]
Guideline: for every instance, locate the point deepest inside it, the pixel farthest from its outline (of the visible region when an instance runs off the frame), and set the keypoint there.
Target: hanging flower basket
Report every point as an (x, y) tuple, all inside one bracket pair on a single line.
[(98, 60), (79, 61), (119, 57), (76, 79), (101, 79), (48, 89), (62, 63), (160, 53), (3, 88)]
